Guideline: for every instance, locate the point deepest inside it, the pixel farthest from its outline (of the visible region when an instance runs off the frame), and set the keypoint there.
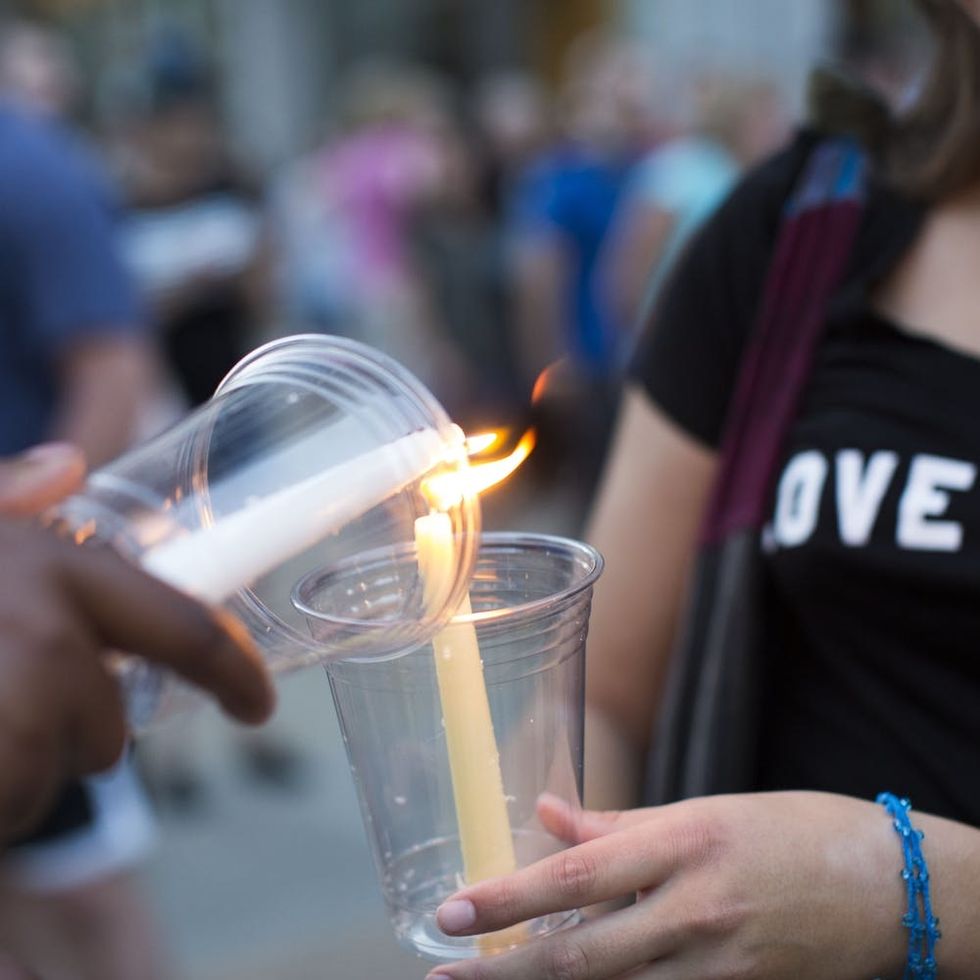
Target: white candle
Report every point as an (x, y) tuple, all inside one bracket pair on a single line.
[(214, 561), (474, 761)]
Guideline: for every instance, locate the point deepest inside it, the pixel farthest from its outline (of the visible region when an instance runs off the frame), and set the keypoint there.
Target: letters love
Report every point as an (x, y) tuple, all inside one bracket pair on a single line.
[(860, 485)]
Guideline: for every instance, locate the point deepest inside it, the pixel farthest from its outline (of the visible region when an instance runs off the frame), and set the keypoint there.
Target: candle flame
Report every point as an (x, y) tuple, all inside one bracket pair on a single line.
[(445, 490), (482, 443)]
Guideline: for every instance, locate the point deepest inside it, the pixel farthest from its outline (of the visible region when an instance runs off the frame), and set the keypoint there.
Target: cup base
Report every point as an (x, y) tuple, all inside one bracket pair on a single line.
[(421, 935), (422, 881)]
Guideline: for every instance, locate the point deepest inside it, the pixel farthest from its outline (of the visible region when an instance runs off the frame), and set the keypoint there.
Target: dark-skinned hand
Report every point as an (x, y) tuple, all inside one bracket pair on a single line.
[(62, 608)]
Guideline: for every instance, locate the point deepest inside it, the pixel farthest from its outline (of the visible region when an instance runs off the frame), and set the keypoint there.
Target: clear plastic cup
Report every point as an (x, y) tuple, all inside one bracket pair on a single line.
[(531, 596), (314, 449)]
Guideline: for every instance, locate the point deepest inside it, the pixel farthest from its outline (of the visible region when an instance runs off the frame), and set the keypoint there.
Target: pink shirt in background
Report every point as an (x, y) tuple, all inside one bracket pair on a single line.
[(373, 179)]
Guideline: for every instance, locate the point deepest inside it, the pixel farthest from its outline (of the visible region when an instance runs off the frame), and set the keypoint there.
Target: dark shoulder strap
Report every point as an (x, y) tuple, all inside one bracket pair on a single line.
[(707, 735), (816, 236)]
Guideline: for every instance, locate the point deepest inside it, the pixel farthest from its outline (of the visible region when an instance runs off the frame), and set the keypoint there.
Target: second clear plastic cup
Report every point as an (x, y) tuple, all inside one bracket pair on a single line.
[(531, 597), (314, 449)]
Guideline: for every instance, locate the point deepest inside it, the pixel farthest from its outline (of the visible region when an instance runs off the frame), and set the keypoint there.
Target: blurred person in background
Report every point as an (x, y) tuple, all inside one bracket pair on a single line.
[(559, 218), (75, 365), (737, 122), (509, 126), (343, 221), (866, 547), (562, 208), (457, 240), (512, 118), (40, 76), (193, 235)]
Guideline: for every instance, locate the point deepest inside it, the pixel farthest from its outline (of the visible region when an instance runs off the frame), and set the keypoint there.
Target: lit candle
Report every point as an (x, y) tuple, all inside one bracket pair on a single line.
[(214, 561), (485, 834)]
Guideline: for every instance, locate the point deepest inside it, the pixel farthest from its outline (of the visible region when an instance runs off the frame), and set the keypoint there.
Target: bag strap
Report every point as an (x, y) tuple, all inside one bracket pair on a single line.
[(817, 233)]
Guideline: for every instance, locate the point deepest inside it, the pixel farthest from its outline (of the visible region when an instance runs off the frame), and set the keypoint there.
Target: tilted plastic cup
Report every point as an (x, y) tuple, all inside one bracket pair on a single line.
[(313, 449)]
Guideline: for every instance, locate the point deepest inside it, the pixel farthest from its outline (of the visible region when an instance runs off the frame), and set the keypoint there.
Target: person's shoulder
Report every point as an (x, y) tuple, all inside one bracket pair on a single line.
[(763, 191), (30, 137), (678, 151), (689, 354), (37, 153), (889, 220), (684, 167)]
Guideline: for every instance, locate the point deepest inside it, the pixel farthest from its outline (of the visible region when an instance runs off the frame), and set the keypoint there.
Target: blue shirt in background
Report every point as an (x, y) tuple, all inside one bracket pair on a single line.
[(61, 280), (689, 178), (574, 193)]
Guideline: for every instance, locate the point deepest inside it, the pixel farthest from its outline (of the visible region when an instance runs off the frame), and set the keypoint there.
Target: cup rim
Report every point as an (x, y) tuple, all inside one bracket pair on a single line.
[(299, 358), (491, 540), (528, 541)]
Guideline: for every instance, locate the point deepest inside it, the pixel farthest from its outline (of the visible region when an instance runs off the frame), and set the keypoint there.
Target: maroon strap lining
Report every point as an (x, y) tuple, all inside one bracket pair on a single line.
[(808, 264)]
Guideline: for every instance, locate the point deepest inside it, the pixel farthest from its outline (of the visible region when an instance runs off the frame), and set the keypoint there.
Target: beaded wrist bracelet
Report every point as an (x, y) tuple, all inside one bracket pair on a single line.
[(922, 925)]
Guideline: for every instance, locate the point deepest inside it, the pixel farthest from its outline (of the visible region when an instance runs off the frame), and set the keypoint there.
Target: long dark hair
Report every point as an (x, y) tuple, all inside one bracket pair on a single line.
[(931, 150)]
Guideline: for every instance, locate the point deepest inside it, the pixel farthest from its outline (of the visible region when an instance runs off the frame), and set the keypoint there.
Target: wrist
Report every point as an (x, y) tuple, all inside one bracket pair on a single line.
[(885, 895), (919, 919)]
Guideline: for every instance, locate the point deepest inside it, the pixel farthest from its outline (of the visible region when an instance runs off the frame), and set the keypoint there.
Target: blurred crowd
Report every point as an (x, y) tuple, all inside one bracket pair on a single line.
[(478, 237), (486, 239)]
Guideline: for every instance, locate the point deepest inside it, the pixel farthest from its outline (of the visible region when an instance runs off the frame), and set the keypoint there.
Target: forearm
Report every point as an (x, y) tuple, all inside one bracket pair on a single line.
[(613, 763), (645, 523)]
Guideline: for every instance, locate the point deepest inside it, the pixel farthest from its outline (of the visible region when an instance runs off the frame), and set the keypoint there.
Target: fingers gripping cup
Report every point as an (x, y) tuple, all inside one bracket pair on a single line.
[(313, 450), (446, 797)]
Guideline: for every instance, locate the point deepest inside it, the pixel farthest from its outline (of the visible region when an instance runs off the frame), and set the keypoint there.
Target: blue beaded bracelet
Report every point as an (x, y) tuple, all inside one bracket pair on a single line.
[(922, 925)]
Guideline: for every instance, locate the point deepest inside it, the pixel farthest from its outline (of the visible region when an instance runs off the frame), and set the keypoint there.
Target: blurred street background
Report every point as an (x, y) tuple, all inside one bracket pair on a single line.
[(478, 188)]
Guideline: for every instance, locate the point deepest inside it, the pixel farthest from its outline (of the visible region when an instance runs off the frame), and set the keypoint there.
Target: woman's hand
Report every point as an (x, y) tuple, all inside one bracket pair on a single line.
[(767, 886)]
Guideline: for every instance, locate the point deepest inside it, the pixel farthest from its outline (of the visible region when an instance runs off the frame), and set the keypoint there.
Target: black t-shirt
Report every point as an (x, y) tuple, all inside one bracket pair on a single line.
[(873, 545)]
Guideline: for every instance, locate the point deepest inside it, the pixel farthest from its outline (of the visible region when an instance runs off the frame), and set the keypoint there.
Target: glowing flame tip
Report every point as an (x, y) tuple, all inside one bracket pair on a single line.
[(482, 443), (446, 489)]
